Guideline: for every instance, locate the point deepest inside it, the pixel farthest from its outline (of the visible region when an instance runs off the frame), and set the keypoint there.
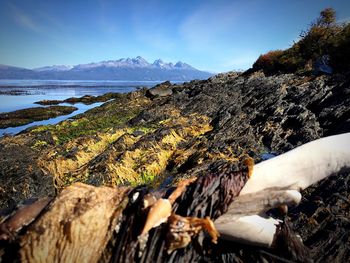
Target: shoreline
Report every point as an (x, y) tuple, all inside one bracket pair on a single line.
[(182, 131), (26, 116), (23, 117)]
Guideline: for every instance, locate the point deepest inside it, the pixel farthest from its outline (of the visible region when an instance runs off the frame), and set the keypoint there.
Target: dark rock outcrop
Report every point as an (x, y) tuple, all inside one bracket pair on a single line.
[(87, 99), (224, 118), (160, 90), (199, 128)]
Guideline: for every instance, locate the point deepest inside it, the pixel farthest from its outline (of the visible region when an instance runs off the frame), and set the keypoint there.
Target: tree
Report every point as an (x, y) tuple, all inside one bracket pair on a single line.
[(323, 39), (318, 40), (327, 17)]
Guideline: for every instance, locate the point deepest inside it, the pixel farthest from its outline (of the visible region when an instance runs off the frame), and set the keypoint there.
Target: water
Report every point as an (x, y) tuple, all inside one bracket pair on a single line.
[(30, 91), (81, 108)]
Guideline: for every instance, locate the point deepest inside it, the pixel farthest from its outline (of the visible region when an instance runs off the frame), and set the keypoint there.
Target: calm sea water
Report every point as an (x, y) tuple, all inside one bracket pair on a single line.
[(30, 91)]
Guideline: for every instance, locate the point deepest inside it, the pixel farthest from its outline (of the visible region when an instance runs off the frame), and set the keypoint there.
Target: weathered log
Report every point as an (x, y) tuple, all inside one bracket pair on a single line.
[(90, 224), (86, 223), (77, 226), (210, 195)]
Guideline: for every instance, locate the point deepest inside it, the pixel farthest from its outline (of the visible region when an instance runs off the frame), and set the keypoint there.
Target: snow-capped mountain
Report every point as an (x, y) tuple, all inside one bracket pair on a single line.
[(53, 68), (182, 65), (121, 69), (138, 62), (161, 64)]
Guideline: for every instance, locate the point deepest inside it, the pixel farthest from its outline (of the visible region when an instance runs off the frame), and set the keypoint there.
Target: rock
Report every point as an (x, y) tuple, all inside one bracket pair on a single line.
[(48, 102), (87, 99), (322, 66), (202, 127), (223, 118), (160, 90), (138, 133)]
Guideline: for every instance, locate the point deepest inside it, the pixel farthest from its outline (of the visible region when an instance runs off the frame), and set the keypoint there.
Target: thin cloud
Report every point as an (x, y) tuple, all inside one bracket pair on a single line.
[(38, 21), (24, 20), (206, 24), (155, 40), (45, 25)]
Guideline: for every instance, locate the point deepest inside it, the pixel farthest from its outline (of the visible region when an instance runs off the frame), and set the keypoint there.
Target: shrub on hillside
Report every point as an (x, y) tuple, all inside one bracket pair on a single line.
[(340, 50), (324, 38), (269, 62), (291, 60), (319, 38)]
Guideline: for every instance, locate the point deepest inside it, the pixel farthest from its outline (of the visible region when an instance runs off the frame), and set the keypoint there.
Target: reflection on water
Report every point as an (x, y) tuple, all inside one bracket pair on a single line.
[(36, 90), (11, 102), (46, 90), (74, 83)]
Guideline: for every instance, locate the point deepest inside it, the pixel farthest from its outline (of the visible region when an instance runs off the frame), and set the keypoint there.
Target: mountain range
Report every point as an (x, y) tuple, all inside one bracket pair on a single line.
[(122, 69)]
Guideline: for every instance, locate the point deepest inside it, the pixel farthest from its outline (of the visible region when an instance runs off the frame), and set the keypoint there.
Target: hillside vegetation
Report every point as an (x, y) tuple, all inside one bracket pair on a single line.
[(325, 39)]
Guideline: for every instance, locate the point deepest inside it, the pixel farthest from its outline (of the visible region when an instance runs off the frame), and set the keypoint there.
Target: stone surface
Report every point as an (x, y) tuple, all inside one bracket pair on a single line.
[(160, 90), (133, 139), (202, 127)]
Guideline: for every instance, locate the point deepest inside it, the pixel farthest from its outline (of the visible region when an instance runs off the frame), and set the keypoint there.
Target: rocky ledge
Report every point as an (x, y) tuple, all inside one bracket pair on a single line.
[(87, 99), (190, 130), (25, 116)]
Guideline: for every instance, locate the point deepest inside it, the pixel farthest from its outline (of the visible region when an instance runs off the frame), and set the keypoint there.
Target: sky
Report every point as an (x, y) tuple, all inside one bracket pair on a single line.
[(216, 36)]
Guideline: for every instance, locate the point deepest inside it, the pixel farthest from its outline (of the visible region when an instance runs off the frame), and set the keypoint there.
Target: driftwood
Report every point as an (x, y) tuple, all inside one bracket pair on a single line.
[(75, 227), (101, 224), (90, 224)]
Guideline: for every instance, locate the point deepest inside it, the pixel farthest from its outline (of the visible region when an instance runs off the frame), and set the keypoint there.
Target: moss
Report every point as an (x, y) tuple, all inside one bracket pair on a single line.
[(104, 119), (146, 178), (42, 128), (134, 159), (145, 129), (39, 144), (69, 130)]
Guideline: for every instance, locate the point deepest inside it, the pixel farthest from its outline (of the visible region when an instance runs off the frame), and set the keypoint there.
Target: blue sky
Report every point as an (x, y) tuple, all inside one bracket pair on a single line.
[(217, 35)]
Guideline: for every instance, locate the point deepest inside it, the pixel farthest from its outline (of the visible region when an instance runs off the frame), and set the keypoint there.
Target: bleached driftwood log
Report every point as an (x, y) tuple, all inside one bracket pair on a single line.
[(276, 182), (90, 224)]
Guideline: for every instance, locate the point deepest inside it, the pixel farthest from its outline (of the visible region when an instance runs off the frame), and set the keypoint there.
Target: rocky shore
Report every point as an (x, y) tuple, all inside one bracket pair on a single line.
[(25, 116), (87, 99), (159, 137)]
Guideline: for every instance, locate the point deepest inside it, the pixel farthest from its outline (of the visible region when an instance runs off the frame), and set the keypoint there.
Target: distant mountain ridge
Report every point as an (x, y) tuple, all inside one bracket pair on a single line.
[(122, 69)]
